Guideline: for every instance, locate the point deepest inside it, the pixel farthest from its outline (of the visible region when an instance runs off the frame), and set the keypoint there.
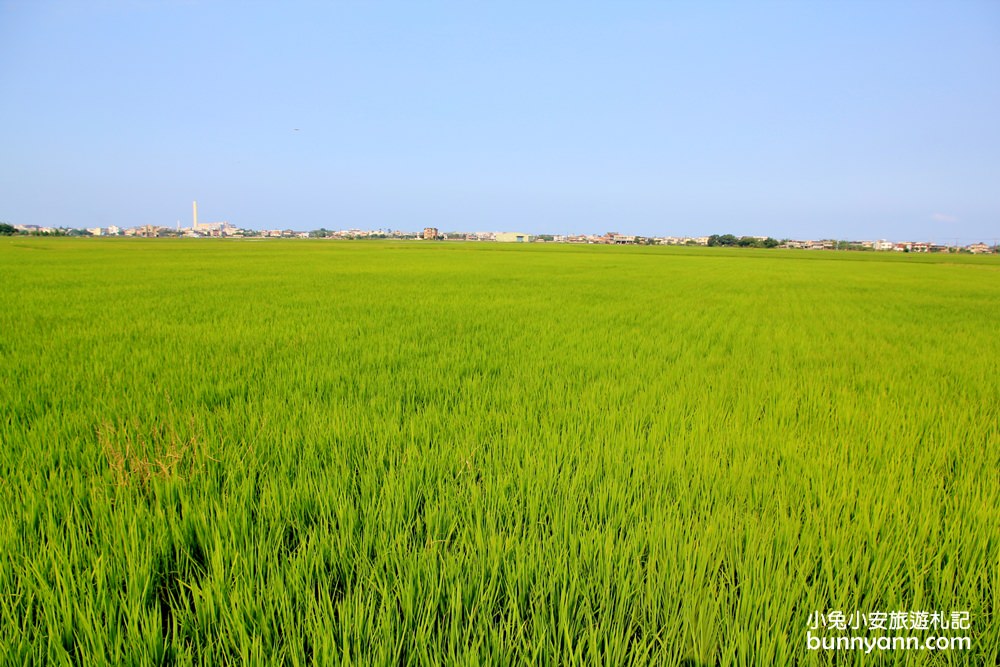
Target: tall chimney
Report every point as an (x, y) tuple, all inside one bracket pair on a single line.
[(195, 216)]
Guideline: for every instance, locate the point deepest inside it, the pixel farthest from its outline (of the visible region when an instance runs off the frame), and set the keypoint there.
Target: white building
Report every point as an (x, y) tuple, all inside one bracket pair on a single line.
[(512, 237)]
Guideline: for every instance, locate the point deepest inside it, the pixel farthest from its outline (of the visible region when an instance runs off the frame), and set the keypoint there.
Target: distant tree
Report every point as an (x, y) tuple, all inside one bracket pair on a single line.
[(724, 240), (7, 230), (771, 243)]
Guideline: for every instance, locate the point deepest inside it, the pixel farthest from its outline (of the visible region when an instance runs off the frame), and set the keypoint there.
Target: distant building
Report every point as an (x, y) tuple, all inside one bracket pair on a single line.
[(978, 248), (222, 228), (430, 233), (512, 237)]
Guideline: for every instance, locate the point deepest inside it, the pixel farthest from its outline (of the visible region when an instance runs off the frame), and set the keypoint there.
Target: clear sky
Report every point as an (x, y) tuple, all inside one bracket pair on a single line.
[(858, 119)]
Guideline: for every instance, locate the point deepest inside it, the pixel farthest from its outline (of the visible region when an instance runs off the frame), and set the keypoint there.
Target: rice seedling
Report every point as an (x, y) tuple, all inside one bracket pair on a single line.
[(403, 453)]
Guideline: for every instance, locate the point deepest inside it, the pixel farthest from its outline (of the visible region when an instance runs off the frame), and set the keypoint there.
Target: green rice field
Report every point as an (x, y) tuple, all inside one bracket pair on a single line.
[(238, 452)]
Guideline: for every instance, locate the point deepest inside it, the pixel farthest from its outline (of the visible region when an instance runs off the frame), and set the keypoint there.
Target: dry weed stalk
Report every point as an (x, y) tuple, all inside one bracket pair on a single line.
[(138, 458)]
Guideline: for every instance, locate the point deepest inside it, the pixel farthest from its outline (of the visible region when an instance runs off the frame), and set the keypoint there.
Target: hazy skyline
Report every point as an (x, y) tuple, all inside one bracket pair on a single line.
[(800, 120)]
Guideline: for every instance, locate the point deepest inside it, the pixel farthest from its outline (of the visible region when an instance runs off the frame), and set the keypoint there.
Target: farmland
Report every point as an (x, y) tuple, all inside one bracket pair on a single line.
[(233, 452)]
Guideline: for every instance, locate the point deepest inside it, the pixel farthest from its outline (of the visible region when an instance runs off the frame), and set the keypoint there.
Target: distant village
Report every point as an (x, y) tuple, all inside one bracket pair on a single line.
[(224, 229)]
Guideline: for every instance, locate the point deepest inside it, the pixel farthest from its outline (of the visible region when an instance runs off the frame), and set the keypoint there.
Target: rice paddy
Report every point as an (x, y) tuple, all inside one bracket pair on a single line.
[(373, 453)]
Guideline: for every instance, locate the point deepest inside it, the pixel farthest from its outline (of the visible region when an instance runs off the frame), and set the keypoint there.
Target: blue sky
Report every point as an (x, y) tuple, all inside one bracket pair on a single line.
[(794, 119)]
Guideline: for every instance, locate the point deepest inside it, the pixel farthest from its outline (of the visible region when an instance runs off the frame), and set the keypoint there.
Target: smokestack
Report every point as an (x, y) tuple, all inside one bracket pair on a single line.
[(195, 216)]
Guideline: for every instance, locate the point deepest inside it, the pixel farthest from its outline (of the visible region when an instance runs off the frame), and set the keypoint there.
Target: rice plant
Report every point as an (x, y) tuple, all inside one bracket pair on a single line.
[(305, 452)]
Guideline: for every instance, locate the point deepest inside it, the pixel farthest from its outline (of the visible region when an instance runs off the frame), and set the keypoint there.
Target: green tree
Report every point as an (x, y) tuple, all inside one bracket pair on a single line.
[(7, 230), (724, 240)]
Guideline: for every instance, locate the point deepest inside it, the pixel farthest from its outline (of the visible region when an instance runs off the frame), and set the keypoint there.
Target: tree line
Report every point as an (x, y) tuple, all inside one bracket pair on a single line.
[(730, 240)]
